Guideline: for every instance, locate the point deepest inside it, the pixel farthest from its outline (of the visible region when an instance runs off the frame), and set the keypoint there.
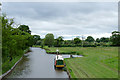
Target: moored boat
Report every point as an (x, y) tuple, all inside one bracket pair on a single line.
[(59, 61)]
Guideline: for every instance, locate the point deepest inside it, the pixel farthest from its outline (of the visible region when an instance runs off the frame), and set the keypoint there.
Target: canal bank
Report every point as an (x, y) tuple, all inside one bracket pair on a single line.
[(12, 68), (38, 64), (6, 73)]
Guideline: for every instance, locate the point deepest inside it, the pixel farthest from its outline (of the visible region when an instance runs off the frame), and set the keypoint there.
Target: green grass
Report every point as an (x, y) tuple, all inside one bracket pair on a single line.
[(8, 64), (64, 50), (98, 62)]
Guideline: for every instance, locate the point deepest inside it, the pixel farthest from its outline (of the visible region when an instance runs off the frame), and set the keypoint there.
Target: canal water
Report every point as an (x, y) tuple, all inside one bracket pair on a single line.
[(38, 64)]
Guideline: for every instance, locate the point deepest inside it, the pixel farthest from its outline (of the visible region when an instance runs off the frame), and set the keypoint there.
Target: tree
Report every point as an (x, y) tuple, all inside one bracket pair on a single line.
[(13, 40), (90, 39), (38, 42), (98, 40), (24, 28), (115, 38), (58, 41), (103, 39), (36, 38), (49, 39), (77, 40)]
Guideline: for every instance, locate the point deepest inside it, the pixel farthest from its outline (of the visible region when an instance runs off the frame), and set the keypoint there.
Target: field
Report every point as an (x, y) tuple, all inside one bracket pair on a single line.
[(98, 62)]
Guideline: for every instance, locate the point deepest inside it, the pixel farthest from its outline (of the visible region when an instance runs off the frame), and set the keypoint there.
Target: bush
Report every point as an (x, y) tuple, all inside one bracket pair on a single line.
[(89, 46)]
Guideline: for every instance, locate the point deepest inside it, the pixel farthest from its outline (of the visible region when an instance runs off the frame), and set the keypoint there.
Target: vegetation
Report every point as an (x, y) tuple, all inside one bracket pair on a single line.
[(100, 57), (24, 28), (49, 40), (98, 62), (63, 50), (37, 40), (14, 42), (90, 39), (58, 42), (115, 38), (77, 42)]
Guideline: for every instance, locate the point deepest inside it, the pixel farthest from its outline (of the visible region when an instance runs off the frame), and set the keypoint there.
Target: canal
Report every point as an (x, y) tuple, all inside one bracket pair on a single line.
[(37, 64)]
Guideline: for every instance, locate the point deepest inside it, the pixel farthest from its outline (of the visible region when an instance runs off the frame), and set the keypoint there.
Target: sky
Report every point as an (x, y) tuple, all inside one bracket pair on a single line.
[(67, 19)]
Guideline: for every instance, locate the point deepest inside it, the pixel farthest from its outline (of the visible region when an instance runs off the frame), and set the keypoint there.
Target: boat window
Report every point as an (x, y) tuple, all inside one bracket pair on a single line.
[(59, 62)]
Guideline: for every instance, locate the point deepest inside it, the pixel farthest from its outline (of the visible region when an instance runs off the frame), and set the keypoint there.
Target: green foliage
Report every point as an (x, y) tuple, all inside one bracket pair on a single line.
[(36, 39), (64, 50), (98, 40), (77, 40), (14, 41), (68, 42), (49, 39), (103, 39), (115, 38), (90, 39), (24, 28), (59, 41)]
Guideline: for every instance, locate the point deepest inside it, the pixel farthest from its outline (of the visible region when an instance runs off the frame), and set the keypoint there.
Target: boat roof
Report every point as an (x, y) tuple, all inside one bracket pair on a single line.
[(59, 57)]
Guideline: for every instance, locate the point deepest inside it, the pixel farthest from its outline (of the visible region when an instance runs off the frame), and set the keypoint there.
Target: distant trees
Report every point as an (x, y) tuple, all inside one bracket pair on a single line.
[(67, 42), (36, 40), (58, 41), (103, 39), (49, 39), (77, 40), (115, 38), (90, 39), (98, 40)]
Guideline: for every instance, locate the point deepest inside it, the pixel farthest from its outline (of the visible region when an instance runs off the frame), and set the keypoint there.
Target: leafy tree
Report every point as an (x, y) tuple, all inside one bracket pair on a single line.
[(68, 42), (24, 28), (49, 39), (77, 40), (38, 42), (14, 42), (36, 38), (90, 39), (103, 39), (42, 43), (115, 38), (58, 41), (98, 40)]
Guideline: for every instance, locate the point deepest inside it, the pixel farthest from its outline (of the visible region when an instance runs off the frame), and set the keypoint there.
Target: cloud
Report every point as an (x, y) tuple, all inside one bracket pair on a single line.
[(66, 19)]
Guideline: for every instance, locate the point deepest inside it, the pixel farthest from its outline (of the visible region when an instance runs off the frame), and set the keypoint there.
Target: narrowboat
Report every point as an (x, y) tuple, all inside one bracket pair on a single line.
[(59, 62)]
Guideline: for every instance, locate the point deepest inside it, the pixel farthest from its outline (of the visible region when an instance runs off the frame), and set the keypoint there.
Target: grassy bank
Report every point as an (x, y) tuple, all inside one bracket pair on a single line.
[(64, 50), (98, 62), (7, 65)]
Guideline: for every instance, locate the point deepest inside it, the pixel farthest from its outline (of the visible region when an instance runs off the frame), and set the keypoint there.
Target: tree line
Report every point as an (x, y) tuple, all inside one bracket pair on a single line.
[(49, 40)]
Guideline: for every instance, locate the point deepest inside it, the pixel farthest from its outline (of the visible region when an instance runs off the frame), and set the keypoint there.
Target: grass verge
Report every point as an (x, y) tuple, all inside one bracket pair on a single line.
[(7, 65), (63, 50)]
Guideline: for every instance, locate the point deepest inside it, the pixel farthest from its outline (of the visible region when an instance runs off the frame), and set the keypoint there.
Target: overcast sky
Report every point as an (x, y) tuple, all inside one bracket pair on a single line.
[(64, 18)]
